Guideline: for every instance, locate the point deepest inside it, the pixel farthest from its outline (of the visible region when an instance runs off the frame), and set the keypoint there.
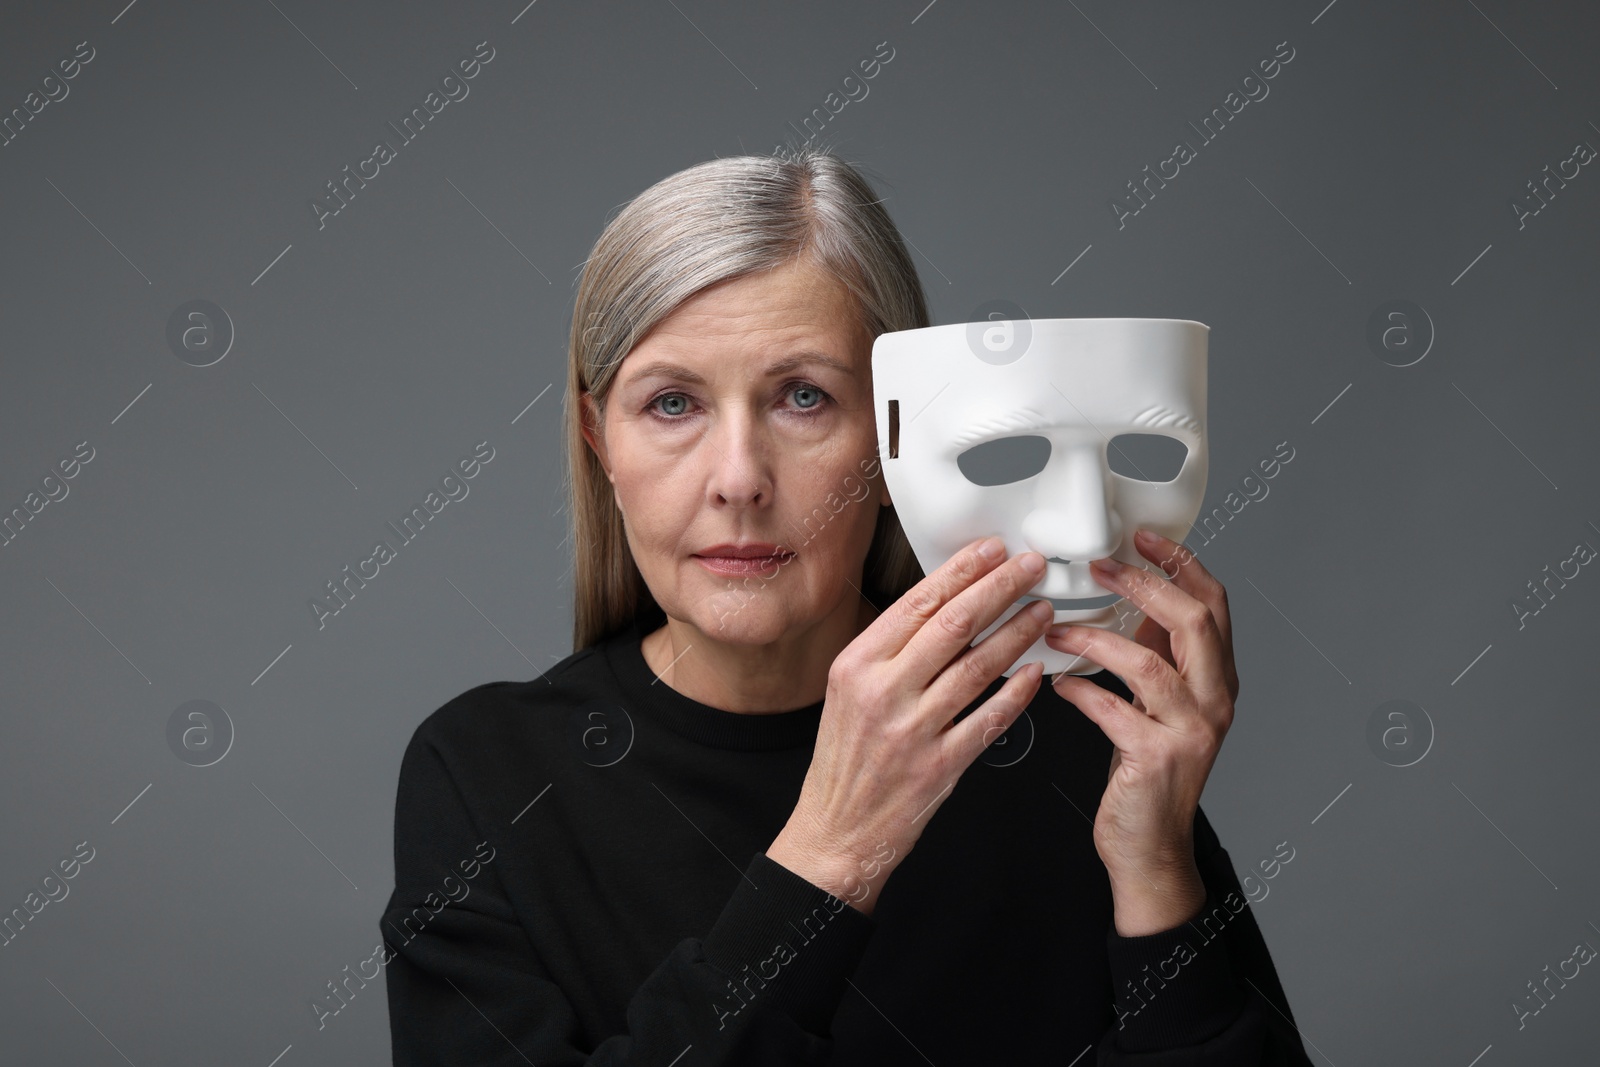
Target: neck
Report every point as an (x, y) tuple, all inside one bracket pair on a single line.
[(782, 675)]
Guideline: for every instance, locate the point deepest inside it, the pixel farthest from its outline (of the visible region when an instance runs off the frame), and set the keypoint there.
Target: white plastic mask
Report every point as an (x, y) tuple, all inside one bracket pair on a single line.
[(943, 394)]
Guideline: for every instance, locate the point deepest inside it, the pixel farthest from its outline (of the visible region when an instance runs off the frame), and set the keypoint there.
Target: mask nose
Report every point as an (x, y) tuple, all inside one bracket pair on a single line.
[(1072, 520)]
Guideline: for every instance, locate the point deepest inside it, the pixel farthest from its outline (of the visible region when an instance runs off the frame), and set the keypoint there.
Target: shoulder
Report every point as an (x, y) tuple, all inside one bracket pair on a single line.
[(511, 720)]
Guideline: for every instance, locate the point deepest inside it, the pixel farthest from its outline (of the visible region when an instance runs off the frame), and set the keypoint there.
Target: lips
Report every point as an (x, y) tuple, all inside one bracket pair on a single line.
[(735, 560), (748, 550)]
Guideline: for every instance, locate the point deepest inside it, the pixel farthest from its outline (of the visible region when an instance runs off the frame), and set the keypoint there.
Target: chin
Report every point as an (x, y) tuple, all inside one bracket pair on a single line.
[(753, 623)]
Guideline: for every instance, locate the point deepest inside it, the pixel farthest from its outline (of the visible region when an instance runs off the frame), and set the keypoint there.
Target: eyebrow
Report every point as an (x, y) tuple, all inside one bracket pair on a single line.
[(782, 366)]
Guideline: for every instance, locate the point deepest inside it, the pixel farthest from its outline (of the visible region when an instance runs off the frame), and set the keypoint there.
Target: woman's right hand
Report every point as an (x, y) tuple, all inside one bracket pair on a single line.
[(886, 754)]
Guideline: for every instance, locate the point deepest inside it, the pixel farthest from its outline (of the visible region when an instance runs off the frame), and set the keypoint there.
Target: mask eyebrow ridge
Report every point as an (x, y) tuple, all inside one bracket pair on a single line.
[(1024, 419), (1160, 416)]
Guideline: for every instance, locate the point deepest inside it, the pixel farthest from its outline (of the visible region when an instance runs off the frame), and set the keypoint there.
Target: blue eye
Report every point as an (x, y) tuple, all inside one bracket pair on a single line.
[(809, 401)]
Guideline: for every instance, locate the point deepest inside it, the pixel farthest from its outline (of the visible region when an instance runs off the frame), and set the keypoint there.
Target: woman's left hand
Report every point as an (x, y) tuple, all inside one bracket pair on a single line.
[(1179, 666)]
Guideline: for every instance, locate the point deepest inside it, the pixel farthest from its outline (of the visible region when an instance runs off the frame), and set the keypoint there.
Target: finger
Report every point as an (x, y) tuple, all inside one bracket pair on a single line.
[(1185, 570), (1154, 636), (1124, 725), (1152, 679), (1196, 643), (949, 631), (888, 634), (967, 676), (967, 739)]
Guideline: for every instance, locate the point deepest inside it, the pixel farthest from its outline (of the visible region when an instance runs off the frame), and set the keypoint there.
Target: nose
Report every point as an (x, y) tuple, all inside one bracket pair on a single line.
[(736, 451), (1072, 519)]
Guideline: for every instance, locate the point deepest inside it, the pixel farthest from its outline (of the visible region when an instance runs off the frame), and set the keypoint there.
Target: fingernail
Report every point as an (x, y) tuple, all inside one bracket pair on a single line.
[(1148, 538), (1106, 566), (1032, 562), (1042, 609), (992, 548)]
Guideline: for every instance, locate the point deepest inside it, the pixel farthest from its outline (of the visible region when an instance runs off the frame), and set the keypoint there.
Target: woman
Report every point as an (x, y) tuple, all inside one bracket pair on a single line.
[(726, 829)]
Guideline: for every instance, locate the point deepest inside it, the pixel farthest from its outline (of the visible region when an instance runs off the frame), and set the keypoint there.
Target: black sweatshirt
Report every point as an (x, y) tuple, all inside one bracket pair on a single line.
[(581, 878)]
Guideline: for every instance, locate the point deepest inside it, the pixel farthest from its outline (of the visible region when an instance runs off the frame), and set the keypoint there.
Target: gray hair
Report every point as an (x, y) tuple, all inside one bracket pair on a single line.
[(717, 220)]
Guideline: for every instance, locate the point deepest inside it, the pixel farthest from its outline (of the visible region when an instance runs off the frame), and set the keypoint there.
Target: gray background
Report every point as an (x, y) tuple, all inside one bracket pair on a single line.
[(433, 310)]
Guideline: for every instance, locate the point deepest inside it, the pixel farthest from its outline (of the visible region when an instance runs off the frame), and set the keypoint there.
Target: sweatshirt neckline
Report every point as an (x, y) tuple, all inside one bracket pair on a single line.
[(702, 723)]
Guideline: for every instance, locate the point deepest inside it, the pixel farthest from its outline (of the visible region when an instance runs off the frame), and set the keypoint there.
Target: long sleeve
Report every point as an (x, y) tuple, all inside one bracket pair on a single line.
[(466, 985), (1205, 993)]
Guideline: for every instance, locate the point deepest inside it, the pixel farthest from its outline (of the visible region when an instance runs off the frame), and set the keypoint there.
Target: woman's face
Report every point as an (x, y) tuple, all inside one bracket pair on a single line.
[(745, 418)]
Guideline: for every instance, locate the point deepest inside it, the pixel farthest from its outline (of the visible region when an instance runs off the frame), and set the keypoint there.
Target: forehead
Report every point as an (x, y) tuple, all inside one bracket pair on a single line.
[(759, 315)]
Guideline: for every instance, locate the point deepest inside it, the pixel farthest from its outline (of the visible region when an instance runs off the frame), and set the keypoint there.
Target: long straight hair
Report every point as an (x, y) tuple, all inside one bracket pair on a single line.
[(721, 219)]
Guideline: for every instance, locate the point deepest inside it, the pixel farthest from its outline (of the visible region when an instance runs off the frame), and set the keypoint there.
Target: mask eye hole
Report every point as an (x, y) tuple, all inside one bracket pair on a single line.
[(1005, 460), (1146, 457)]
